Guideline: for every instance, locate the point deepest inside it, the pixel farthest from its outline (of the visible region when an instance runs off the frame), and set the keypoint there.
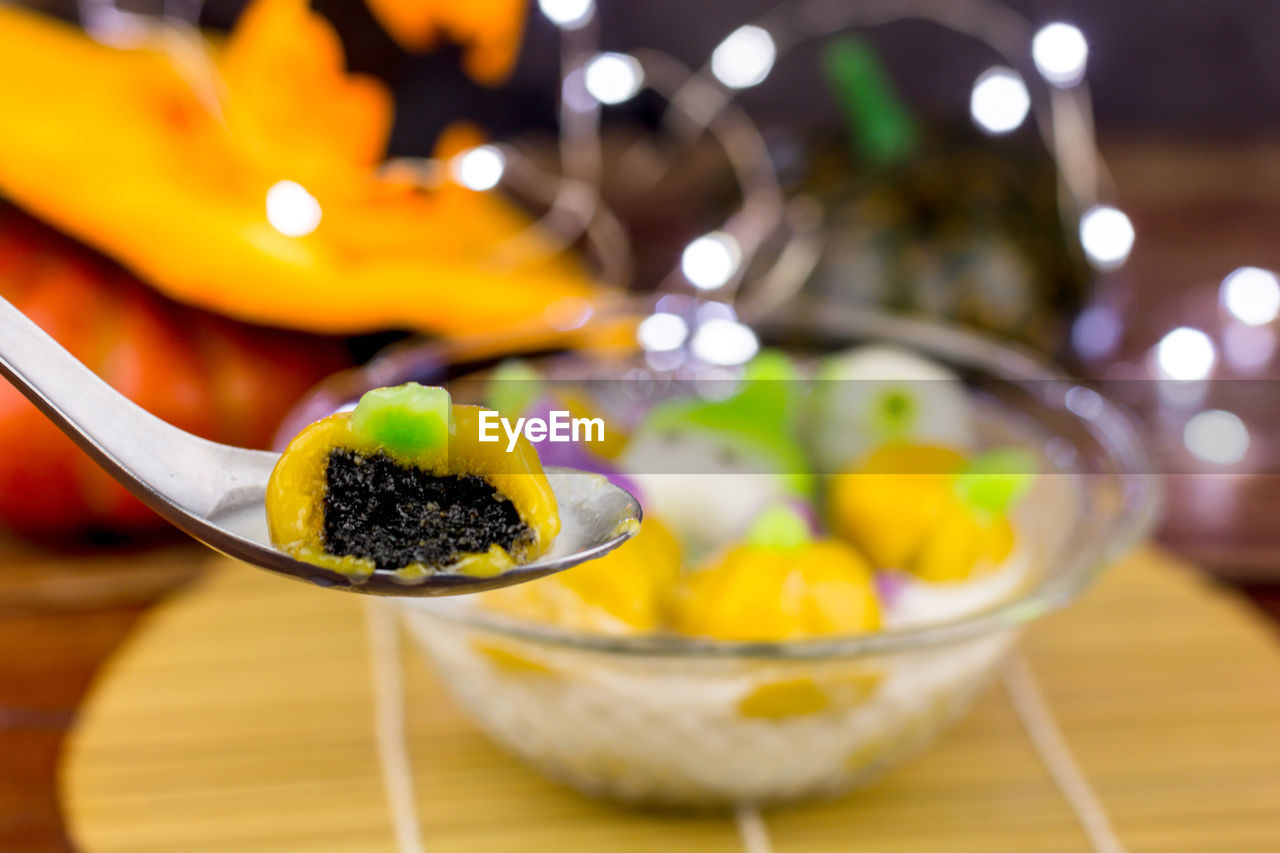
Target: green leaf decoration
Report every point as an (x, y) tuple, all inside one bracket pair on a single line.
[(512, 388), (894, 411), (883, 129), (405, 419), (760, 417), (779, 526), (992, 482)]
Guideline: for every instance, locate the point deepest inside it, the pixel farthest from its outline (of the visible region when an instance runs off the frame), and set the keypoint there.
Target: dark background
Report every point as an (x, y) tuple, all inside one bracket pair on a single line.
[(1202, 67)]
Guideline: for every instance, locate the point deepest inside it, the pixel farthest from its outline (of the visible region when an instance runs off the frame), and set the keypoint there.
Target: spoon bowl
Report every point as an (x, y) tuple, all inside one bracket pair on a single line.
[(216, 492)]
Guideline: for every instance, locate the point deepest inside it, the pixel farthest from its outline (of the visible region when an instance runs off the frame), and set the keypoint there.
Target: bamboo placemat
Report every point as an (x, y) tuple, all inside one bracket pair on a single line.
[(239, 719)]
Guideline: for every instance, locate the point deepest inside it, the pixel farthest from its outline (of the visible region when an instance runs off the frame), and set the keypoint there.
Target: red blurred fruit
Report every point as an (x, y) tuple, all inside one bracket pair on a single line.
[(214, 377)]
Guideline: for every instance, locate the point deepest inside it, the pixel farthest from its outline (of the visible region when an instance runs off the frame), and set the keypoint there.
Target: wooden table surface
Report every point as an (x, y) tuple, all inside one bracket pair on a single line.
[(1200, 210), (240, 717)]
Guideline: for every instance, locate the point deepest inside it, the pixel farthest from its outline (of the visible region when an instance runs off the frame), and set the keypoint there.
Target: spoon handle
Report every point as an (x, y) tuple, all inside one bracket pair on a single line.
[(174, 472)]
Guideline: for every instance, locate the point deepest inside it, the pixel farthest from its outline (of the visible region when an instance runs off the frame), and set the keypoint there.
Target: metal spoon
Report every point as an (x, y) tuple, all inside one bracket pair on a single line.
[(215, 492)]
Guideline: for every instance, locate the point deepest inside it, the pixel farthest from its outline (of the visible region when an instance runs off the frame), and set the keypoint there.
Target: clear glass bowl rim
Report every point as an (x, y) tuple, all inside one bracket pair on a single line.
[(1114, 429)]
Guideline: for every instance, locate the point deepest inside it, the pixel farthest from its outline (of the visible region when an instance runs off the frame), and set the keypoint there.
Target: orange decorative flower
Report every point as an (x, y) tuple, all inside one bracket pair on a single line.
[(490, 30), (163, 158)]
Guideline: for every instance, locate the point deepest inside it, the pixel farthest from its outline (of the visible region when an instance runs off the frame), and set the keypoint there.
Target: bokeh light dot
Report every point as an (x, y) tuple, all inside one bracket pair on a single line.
[(662, 332), (1216, 436), (1251, 295), (724, 342), (1060, 53), (1186, 354), (292, 210), (1084, 402), (568, 14), (1106, 235), (711, 260), (612, 78), (479, 168), (1000, 101), (744, 58), (1097, 332)]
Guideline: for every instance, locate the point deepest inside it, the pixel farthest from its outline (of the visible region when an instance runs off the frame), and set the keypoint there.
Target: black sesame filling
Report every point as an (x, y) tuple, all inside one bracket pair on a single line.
[(394, 515)]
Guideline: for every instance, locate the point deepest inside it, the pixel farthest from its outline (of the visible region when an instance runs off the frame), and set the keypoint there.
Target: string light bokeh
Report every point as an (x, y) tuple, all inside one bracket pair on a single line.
[(711, 264), (726, 277), (292, 210), (1043, 77), (725, 282)]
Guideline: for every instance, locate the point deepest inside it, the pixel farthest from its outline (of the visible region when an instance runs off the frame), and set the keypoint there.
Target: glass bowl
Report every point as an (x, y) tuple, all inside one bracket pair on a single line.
[(676, 721)]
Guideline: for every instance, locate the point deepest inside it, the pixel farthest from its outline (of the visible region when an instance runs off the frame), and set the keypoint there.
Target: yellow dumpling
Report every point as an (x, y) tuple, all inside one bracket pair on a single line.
[(624, 592), (930, 511), (890, 503), (779, 587), (404, 483)]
